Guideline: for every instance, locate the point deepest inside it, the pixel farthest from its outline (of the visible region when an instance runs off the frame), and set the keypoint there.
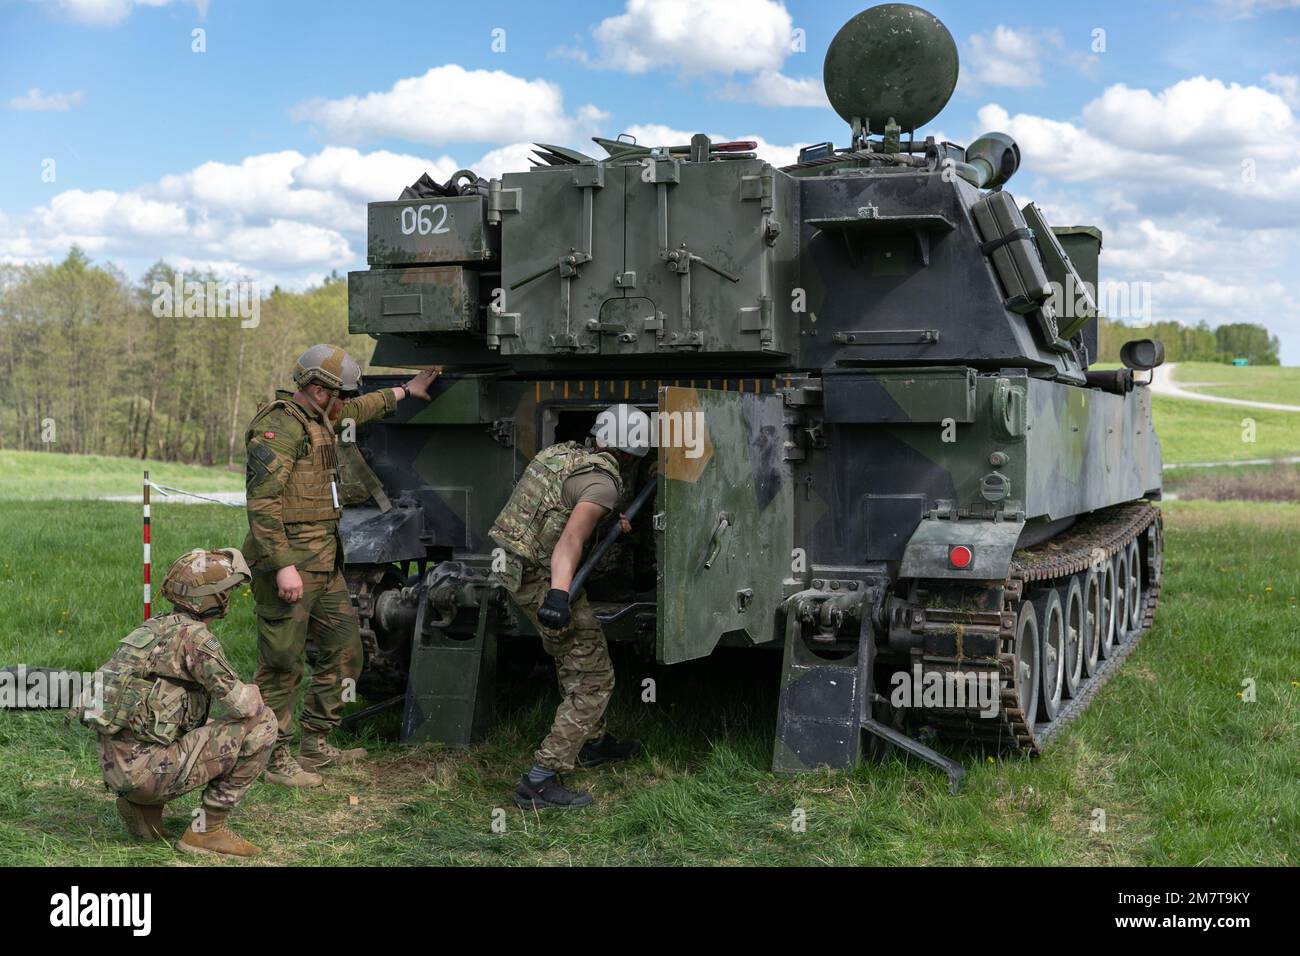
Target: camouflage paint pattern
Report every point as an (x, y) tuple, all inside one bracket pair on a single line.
[(165, 746), (583, 670), (324, 614), (868, 395), (276, 442)]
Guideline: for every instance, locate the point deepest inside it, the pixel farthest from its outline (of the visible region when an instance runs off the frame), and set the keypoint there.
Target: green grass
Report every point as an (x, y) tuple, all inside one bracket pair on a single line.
[(1255, 383), (1186, 772), (30, 475), (1203, 431)]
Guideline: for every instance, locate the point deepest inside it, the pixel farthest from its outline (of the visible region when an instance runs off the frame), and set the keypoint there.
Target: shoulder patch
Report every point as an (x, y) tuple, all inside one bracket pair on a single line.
[(141, 637), (262, 453), (212, 644)]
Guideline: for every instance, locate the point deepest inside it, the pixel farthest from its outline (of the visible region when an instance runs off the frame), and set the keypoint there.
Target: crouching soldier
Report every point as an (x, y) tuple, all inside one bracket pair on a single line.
[(545, 526), (150, 702)]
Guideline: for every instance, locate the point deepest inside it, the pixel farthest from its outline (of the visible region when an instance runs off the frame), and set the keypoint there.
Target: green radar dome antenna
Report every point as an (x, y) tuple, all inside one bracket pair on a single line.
[(893, 66)]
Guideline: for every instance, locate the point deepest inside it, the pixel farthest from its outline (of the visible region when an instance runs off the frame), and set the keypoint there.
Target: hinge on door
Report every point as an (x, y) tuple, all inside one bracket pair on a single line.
[(659, 522), (501, 200), (501, 325), (760, 187)]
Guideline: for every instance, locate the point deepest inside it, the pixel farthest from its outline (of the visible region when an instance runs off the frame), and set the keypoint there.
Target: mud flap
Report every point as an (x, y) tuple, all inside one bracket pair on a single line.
[(451, 690), (823, 702), (826, 705)]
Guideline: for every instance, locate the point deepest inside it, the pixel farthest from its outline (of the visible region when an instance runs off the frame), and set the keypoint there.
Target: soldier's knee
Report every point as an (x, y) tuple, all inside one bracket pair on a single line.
[(281, 659), (262, 730)]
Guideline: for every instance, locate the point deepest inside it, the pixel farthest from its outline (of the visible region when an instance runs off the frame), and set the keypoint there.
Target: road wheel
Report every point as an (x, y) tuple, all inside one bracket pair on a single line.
[(1075, 623), (1092, 621), (1134, 588), (1119, 571), (1051, 652), (1026, 671)]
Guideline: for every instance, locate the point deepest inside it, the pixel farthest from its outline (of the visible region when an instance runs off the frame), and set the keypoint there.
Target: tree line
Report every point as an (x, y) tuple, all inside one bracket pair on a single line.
[(89, 365), (1195, 343), (93, 363)]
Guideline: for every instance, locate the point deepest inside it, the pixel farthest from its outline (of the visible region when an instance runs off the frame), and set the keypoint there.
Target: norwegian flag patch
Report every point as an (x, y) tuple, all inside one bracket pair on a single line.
[(269, 434)]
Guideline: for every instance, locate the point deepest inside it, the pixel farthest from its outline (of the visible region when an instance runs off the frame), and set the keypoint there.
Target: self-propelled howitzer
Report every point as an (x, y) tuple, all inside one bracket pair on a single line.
[(891, 461)]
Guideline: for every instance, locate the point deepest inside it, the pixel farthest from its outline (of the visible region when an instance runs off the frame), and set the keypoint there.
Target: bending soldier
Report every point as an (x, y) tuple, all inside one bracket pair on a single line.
[(149, 704), (564, 492), (297, 556)]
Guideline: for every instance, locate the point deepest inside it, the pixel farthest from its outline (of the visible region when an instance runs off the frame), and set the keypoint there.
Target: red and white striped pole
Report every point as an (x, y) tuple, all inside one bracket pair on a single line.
[(147, 589)]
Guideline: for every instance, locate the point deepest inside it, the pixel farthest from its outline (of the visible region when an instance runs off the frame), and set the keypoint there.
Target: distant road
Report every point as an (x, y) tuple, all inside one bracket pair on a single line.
[(1162, 383)]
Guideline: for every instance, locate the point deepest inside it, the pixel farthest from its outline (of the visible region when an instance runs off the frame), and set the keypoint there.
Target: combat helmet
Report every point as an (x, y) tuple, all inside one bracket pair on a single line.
[(200, 582), (327, 365), (624, 427)]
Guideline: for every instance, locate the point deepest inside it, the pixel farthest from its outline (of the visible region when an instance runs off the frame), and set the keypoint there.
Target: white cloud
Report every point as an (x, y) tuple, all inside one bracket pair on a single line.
[(1195, 113), (283, 243), (269, 215), (1249, 8), (1014, 58), (1287, 86), (452, 104), (41, 102), (693, 36), (774, 88), (1198, 140), (108, 12), (1196, 188), (657, 134)]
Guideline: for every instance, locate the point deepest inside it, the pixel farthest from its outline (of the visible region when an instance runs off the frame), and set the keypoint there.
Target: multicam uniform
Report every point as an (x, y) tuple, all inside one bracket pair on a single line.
[(528, 528), (155, 739), (293, 513)]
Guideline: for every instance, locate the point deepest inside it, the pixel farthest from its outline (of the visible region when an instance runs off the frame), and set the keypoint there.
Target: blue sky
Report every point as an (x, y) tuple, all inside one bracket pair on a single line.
[(1176, 128)]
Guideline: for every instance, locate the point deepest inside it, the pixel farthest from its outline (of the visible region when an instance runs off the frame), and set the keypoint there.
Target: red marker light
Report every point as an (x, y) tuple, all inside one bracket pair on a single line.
[(960, 557)]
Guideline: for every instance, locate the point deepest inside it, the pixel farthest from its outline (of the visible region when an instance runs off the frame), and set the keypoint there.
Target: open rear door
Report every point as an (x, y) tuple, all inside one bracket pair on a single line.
[(725, 519)]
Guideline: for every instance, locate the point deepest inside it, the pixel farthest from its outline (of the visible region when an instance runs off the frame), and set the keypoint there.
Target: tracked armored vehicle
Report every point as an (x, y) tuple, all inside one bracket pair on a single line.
[(904, 477)]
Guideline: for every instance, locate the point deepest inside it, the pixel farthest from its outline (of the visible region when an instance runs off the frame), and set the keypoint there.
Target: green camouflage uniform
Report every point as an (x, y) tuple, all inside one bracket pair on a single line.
[(293, 512), (528, 528), (155, 739)]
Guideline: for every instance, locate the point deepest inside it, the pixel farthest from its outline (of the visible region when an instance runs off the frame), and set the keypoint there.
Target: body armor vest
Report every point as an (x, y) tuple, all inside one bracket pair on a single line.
[(152, 708), (533, 519), (310, 493)]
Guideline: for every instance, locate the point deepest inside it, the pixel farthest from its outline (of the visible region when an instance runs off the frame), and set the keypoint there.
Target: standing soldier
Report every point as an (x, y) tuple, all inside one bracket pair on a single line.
[(564, 492), (155, 740), (297, 556)]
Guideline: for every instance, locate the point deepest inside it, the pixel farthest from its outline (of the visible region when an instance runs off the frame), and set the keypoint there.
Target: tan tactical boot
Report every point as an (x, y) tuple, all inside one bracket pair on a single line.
[(143, 820), (287, 772), (317, 752), (216, 838)]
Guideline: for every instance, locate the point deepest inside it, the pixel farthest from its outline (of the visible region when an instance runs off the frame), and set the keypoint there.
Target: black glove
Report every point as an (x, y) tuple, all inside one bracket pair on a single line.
[(554, 612)]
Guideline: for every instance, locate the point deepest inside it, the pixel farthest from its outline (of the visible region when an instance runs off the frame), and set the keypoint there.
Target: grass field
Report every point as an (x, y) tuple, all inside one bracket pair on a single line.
[(30, 475), (1185, 771), (1255, 383), (1203, 431)]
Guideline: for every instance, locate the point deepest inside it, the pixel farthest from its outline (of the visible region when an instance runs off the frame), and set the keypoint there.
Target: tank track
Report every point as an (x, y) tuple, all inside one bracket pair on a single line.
[(1095, 538)]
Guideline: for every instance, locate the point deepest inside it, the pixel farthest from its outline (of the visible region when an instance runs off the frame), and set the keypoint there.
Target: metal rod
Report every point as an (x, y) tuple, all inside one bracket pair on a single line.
[(148, 564), (610, 537)]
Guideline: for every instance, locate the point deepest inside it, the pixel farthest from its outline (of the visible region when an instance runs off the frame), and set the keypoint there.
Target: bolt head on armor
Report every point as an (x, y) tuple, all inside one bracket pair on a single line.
[(201, 581), (625, 428), (327, 365)]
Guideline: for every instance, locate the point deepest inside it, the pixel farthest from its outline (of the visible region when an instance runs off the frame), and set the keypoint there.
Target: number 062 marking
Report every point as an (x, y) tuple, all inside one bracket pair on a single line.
[(420, 219)]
